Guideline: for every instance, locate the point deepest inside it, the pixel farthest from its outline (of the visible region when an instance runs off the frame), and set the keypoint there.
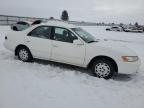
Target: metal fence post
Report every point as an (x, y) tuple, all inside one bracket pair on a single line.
[(7, 20)]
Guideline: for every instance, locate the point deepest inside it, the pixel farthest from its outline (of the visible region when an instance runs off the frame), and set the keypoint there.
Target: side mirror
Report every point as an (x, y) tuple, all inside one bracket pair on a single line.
[(78, 42)]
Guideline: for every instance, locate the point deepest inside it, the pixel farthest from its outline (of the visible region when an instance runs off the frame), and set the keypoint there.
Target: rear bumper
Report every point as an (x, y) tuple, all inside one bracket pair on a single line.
[(8, 46)]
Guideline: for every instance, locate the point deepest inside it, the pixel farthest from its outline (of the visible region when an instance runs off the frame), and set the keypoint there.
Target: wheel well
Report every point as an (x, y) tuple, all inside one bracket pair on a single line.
[(104, 57), (20, 46)]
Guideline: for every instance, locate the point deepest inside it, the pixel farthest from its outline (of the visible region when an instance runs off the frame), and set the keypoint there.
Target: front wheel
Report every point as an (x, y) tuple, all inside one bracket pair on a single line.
[(24, 54), (103, 68)]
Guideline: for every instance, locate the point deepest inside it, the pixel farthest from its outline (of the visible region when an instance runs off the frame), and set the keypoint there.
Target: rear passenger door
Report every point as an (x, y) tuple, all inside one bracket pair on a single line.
[(39, 43)]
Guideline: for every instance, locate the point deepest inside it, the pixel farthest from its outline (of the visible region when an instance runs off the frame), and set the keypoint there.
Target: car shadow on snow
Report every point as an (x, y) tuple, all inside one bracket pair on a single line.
[(123, 77), (119, 77), (62, 66)]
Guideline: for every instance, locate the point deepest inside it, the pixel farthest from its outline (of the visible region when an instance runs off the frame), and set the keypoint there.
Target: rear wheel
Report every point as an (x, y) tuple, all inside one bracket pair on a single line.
[(15, 28), (24, 54), (103, 68)]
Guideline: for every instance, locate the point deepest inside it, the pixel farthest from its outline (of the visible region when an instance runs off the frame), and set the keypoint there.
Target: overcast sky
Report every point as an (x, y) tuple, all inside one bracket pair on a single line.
[(83, 10)]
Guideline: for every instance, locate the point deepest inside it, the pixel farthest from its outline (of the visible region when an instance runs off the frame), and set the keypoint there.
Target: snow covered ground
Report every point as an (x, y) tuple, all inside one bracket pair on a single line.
[(38, 85)]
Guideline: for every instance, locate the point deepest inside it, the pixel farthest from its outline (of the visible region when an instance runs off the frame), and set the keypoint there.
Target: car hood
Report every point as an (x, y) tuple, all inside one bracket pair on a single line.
[(116, 46)]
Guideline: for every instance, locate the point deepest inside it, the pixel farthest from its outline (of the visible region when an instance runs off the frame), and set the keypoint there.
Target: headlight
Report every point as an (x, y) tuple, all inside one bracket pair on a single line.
[(130, 58)]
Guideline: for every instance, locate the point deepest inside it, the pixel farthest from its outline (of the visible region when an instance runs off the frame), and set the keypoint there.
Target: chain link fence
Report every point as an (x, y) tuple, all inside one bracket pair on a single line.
[(8, 20)]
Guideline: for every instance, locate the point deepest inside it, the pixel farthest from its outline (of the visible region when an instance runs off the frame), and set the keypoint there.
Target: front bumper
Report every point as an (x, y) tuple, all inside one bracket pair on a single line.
[(128, 67)]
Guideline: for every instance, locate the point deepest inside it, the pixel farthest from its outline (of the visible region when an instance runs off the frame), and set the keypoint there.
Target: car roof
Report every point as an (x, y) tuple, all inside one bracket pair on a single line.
[(115, 26), (59, 24), (28, 22)]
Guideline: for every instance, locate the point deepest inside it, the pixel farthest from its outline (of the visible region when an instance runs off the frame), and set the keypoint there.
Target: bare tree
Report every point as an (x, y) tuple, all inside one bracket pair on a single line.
[(136, 24), (51, 18)]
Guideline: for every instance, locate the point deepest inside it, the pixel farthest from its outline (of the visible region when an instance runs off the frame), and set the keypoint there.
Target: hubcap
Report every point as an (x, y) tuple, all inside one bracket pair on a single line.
[(23, 54), (102, 69)]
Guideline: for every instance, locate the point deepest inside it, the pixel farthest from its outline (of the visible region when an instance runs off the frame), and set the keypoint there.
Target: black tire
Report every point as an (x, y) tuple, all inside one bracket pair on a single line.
[(103, 68), (107, 29), (15, 28), (24, 54)]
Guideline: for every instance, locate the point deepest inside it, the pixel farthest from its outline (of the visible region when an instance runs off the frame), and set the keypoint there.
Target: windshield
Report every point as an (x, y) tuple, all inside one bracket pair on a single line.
[(87, 37)]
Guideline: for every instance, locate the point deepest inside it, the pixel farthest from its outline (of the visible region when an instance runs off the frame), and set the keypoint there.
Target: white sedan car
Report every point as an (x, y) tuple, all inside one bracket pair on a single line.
[(114, 28), (66, 43), (132, 29), (21, 25)]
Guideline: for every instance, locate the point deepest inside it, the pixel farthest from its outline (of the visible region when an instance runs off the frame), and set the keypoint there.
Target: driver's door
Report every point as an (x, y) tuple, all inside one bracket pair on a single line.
[(63, 48)]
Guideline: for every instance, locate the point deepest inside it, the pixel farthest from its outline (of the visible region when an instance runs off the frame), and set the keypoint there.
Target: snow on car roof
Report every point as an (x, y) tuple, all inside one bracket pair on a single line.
[(59, 24)]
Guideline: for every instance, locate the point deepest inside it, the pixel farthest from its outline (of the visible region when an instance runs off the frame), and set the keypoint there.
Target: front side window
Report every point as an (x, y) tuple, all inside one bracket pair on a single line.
[(64, 35), (41, 32), (87, 37)]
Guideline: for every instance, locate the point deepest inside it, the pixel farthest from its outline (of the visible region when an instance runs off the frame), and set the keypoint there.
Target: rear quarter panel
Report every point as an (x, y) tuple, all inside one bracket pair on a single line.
[(14, 38)]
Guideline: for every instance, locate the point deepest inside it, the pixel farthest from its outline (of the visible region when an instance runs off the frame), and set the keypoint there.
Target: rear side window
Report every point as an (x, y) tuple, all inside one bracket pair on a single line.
[(23, 23), (41, 32)]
